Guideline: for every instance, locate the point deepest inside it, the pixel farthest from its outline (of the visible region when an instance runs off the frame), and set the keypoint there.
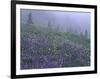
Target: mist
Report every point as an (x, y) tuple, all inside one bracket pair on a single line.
[(54, 39), (75, 22)]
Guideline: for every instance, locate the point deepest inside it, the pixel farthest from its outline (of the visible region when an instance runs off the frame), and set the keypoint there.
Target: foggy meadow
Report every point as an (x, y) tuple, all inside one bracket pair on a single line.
[(53, 39)]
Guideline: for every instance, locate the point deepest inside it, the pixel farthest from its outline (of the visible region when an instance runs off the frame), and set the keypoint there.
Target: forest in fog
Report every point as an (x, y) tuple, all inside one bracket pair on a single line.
[(51, 39), (75, 22)]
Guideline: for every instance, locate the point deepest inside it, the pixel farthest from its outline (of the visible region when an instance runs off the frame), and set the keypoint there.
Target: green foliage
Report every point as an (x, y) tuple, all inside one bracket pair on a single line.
[(61, 48), (57, 36)]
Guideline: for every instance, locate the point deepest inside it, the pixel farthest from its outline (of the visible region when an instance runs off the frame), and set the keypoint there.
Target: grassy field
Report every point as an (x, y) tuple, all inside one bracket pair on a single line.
[(44, 47)]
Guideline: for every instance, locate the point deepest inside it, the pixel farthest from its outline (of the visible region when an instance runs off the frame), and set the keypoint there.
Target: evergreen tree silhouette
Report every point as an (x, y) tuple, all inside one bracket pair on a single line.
[(86, 33), (29, 21)]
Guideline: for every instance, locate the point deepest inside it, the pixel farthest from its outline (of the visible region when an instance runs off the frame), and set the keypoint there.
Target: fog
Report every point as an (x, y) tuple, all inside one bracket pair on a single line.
[(76, 22)]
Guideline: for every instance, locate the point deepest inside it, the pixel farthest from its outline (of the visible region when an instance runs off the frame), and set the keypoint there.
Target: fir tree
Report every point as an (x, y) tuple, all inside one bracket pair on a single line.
[(29, 21)]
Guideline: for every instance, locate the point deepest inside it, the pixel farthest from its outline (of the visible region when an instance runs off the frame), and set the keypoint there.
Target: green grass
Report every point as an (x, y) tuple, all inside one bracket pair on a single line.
[(57, 36), (54, 48)]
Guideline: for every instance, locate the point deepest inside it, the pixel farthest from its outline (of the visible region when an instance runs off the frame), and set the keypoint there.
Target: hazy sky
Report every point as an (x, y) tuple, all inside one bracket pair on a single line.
[(77, 20)]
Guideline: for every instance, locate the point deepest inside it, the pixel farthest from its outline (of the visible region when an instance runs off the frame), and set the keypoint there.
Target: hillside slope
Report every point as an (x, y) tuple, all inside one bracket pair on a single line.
[(44, 47)]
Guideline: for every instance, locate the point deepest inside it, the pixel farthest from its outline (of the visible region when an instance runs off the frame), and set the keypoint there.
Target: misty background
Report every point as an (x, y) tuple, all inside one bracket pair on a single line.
[(64, 21), (54, 39)]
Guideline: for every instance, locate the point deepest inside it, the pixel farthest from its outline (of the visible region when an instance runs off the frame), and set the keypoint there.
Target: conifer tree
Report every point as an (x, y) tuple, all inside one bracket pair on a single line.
[(29, 21)]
